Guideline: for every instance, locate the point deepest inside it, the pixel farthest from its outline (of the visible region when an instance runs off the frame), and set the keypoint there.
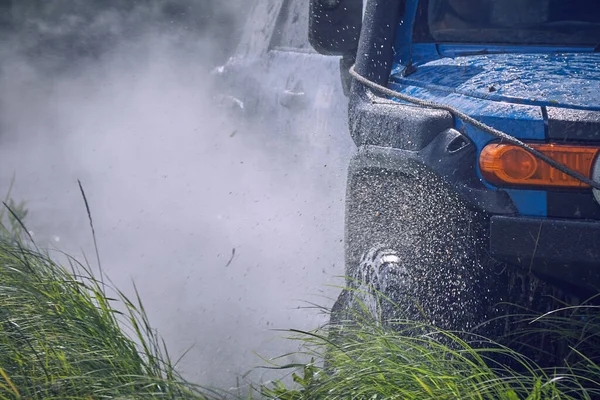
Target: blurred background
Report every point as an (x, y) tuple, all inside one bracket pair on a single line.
[(228, 218)]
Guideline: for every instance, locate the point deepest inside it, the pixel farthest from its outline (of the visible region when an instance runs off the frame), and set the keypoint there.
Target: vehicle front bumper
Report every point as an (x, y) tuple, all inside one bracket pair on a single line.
[(563, 250)]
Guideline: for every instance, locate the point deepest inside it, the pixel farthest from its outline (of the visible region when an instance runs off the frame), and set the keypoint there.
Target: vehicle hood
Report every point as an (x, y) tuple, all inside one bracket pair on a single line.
[(556, 80)]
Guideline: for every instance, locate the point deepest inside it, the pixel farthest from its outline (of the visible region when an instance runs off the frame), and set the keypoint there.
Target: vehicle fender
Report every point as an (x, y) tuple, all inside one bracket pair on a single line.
[(449, 159), (390, 124)]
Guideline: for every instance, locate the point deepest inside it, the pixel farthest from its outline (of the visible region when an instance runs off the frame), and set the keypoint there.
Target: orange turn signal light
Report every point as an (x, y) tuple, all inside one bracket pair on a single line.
[(510, 165)]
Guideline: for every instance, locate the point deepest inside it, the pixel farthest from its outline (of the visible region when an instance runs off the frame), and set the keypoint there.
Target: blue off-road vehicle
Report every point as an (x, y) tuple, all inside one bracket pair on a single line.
[(477, 172)]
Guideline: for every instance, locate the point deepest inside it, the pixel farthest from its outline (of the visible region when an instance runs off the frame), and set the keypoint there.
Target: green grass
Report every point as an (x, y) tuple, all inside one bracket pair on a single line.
[(64, 334), (408, 360)]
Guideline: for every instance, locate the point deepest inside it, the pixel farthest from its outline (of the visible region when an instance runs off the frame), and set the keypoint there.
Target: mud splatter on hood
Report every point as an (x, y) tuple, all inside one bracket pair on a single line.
[(559, 80)]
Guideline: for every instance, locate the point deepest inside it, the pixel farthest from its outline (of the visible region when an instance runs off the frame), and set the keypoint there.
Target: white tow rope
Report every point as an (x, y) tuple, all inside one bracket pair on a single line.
[(477, 124)]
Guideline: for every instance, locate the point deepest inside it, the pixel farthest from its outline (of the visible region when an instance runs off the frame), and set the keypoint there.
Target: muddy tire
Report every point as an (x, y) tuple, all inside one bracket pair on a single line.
[(417, 243)]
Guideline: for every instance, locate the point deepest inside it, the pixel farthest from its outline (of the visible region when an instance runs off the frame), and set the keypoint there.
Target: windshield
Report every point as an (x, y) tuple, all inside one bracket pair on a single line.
[(546, 22)]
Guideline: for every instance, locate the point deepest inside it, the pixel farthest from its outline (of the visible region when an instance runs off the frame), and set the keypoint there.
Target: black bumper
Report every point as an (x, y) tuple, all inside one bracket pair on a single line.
[(564, 250)]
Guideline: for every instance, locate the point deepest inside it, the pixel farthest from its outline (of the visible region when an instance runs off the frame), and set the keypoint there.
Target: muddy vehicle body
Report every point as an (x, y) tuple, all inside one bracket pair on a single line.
[(440, 211), (276, 82)]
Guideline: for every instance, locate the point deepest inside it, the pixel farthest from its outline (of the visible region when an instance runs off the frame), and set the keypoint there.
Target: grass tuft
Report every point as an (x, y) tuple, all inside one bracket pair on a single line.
[(63, 331), (401, 359)]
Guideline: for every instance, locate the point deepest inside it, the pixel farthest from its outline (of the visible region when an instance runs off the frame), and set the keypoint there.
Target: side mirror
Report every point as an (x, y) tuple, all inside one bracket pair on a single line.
[(334, 26)]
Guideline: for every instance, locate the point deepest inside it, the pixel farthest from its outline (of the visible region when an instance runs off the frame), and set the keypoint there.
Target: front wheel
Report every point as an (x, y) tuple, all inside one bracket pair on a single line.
[(415, 251), (417, 243)]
